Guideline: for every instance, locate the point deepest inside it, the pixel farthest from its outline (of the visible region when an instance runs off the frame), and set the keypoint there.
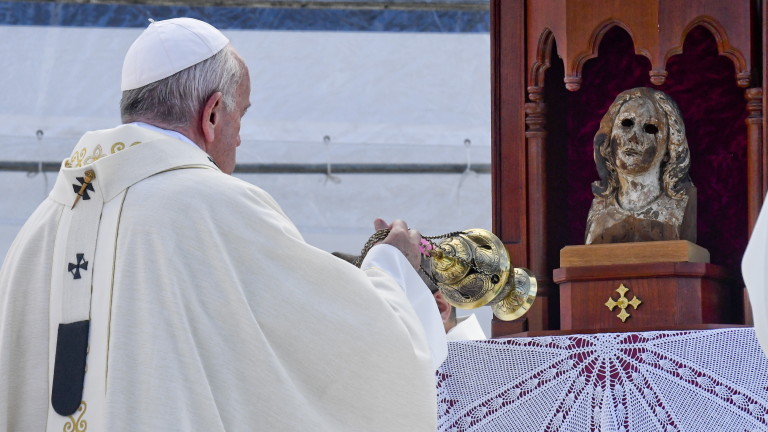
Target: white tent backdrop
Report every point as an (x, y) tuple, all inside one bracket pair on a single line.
[(378, 97)]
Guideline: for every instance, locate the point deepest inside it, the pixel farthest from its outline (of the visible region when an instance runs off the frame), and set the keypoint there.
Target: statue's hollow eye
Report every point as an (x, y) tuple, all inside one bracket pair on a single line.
[(650, 129), (627, 122)]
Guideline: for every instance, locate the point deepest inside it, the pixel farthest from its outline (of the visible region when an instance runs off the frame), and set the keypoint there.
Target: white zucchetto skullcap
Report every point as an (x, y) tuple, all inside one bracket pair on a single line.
[(167, 47)]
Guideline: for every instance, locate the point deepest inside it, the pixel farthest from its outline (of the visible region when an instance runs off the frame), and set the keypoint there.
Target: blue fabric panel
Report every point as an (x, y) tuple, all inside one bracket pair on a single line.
[(69, 368), (240, 18)]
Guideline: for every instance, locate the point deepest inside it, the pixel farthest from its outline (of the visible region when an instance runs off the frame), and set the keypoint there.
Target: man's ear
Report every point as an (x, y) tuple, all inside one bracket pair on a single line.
[(442, 305), (211, 117)]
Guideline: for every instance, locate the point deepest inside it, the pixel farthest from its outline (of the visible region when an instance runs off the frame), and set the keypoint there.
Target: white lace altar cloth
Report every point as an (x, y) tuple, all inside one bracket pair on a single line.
[(702, 381)]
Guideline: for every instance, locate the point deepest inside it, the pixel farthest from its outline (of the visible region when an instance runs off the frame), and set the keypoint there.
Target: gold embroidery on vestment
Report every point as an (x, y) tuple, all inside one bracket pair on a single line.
[(79, 425), (118, 146), (79, 158), (97, 154)]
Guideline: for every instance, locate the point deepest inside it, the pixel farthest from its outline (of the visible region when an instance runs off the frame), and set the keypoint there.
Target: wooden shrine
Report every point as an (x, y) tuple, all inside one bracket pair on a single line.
[(556, 67)]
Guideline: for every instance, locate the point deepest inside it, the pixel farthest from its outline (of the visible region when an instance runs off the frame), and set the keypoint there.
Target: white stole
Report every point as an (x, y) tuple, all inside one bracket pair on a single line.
[(84, 251)]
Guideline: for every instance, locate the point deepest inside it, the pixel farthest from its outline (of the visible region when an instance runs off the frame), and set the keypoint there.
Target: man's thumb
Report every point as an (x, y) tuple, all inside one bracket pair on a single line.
[(379, 224)]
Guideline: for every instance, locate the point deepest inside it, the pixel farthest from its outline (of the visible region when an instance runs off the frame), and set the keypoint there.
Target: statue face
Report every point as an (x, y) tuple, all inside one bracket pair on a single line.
[(638, 137)]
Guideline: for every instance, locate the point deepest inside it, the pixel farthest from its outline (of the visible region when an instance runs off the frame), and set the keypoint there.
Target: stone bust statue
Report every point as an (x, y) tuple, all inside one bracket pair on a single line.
[(642, 157)]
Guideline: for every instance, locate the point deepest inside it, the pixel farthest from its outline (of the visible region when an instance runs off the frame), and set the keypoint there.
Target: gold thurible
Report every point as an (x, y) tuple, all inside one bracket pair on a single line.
[(472, 269)]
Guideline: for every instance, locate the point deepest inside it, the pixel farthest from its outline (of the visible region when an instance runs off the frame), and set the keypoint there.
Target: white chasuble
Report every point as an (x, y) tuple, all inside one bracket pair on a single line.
[(754, 268), (194, 304)]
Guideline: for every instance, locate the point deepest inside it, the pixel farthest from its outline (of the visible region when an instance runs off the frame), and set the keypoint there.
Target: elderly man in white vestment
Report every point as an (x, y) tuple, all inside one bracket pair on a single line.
[(754, 269), (152, 291)]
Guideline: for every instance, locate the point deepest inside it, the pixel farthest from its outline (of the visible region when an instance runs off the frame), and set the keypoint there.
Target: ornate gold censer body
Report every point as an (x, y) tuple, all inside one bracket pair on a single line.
[(471, 269)]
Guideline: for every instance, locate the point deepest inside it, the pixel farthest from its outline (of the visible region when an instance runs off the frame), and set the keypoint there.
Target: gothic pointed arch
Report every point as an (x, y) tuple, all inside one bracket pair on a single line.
[(573, 78), (543, 56), (724, 47)]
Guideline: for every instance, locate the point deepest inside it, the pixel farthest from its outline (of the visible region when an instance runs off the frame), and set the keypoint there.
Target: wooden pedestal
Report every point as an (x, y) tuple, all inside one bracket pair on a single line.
[(670, 295)]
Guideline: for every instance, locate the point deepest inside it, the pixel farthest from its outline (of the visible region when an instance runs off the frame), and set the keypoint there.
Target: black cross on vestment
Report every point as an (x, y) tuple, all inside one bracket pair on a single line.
[(81, 264), (85, 188)]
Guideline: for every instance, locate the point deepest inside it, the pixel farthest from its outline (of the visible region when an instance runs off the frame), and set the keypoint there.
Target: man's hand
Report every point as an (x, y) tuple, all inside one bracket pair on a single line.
[(405, 240)]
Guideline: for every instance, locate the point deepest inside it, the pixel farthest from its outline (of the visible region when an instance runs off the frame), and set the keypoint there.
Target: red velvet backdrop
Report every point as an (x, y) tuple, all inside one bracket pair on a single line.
[(704, 86)]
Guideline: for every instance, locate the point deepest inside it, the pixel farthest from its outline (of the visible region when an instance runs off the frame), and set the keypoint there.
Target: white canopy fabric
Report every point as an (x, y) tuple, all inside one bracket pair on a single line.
[(373, 89)]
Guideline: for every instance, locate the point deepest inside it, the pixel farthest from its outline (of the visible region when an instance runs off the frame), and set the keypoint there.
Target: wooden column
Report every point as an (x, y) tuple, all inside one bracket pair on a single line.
[(756, 158), (536, 140), (509, 190)]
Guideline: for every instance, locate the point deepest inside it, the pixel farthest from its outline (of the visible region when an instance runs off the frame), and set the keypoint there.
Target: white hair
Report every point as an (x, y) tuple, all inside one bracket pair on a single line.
[(176, 100)]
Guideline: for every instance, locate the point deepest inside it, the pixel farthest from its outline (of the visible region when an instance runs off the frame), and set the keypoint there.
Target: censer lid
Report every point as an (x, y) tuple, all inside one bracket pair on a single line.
[(470, 267)]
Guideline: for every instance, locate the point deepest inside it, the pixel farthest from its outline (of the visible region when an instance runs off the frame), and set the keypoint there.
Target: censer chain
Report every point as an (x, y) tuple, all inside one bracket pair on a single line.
[(383, 233)]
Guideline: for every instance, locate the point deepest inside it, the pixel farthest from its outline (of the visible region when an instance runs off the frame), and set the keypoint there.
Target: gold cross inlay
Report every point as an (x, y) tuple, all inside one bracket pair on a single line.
[(623, 303)]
